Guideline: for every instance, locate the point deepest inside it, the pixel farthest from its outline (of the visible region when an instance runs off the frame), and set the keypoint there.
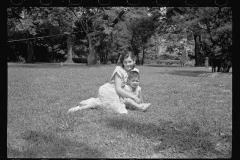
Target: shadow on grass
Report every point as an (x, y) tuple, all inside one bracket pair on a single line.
[(42, 145), (169, 135), (188, 73)]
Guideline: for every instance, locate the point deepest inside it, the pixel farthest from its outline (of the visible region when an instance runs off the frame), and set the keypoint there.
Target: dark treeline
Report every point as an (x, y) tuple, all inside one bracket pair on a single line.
[(91, 34)]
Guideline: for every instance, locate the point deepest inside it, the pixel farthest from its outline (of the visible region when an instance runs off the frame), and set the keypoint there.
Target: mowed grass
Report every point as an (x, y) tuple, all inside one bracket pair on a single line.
[(190, 114)]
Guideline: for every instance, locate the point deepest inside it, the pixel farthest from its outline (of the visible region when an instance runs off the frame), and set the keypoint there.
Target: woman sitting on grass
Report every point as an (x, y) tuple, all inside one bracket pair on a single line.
[(109, 94)]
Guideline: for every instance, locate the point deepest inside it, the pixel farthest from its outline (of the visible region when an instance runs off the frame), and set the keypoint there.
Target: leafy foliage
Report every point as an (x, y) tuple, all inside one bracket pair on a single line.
[(40, 22), (142, 29), (211, 25), (91, 34)]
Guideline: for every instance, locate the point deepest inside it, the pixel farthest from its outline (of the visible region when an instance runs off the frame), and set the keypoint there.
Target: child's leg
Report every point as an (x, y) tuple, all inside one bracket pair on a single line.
[(129, 101), (142, 106)]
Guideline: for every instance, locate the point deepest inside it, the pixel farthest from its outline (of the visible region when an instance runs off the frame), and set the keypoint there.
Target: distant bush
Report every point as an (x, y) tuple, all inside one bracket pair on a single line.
[(168, 62), (79, 60), (21, 59), (149, 61), (168, 57), (191, 56), (190, 63)]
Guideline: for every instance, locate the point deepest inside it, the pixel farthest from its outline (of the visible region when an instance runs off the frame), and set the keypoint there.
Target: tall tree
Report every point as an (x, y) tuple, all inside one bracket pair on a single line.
[(66, 20), (23, 24), (143, 28), (207, 25), (37, 21), (97, 24)]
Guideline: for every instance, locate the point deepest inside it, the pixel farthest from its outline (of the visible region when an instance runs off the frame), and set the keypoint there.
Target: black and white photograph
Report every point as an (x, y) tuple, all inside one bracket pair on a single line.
[(131, 81)]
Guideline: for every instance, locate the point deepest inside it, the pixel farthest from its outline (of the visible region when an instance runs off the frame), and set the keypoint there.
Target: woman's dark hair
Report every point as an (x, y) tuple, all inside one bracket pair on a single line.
[(128, 54)]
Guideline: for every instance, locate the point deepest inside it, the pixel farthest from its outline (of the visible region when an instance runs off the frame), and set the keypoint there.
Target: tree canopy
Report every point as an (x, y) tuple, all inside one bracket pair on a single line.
[(211, 28), (104, 33)]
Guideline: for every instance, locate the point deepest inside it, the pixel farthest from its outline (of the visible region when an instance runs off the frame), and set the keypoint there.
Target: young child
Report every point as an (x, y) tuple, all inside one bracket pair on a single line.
[(132, 86), (108, 94)]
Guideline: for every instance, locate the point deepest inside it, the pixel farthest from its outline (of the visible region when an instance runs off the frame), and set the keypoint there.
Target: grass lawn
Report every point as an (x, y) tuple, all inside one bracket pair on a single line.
[(190, 115)]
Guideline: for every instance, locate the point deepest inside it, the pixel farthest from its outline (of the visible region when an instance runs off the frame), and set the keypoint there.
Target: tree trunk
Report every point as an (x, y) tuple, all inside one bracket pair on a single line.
[(227, 65), (69, 49), (228, 68), (196, 39), (183, 57), (118, 59), (143, 56), (106, 57), (92, 59), (156, 44), (91, 56), (137, 59), (100, 54), (30, 52)]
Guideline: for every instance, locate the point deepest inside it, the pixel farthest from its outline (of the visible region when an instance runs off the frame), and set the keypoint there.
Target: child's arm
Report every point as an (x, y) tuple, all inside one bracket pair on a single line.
[(140, 95)]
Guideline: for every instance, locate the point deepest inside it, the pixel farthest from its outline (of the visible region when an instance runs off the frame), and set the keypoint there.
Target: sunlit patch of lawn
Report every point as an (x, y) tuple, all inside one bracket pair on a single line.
[(190, 115)]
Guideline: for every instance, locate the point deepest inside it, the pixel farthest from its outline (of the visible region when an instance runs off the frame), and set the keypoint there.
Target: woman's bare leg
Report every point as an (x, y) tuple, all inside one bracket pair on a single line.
[(90, 103)]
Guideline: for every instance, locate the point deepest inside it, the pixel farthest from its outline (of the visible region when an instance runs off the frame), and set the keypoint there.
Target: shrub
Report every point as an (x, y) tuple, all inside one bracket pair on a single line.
[(79, 60), (190, 63), (168, 57)]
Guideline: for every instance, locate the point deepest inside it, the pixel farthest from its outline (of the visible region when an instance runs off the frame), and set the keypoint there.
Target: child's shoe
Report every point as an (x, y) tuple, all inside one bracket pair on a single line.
[(144, 106)]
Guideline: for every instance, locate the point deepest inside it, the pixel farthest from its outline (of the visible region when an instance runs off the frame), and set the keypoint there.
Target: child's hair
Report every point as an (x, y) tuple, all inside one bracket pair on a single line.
[(128, 54), (133, 74)]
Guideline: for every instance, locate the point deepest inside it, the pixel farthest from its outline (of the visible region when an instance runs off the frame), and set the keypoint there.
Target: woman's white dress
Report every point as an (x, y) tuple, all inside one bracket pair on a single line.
[(107, 96)]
